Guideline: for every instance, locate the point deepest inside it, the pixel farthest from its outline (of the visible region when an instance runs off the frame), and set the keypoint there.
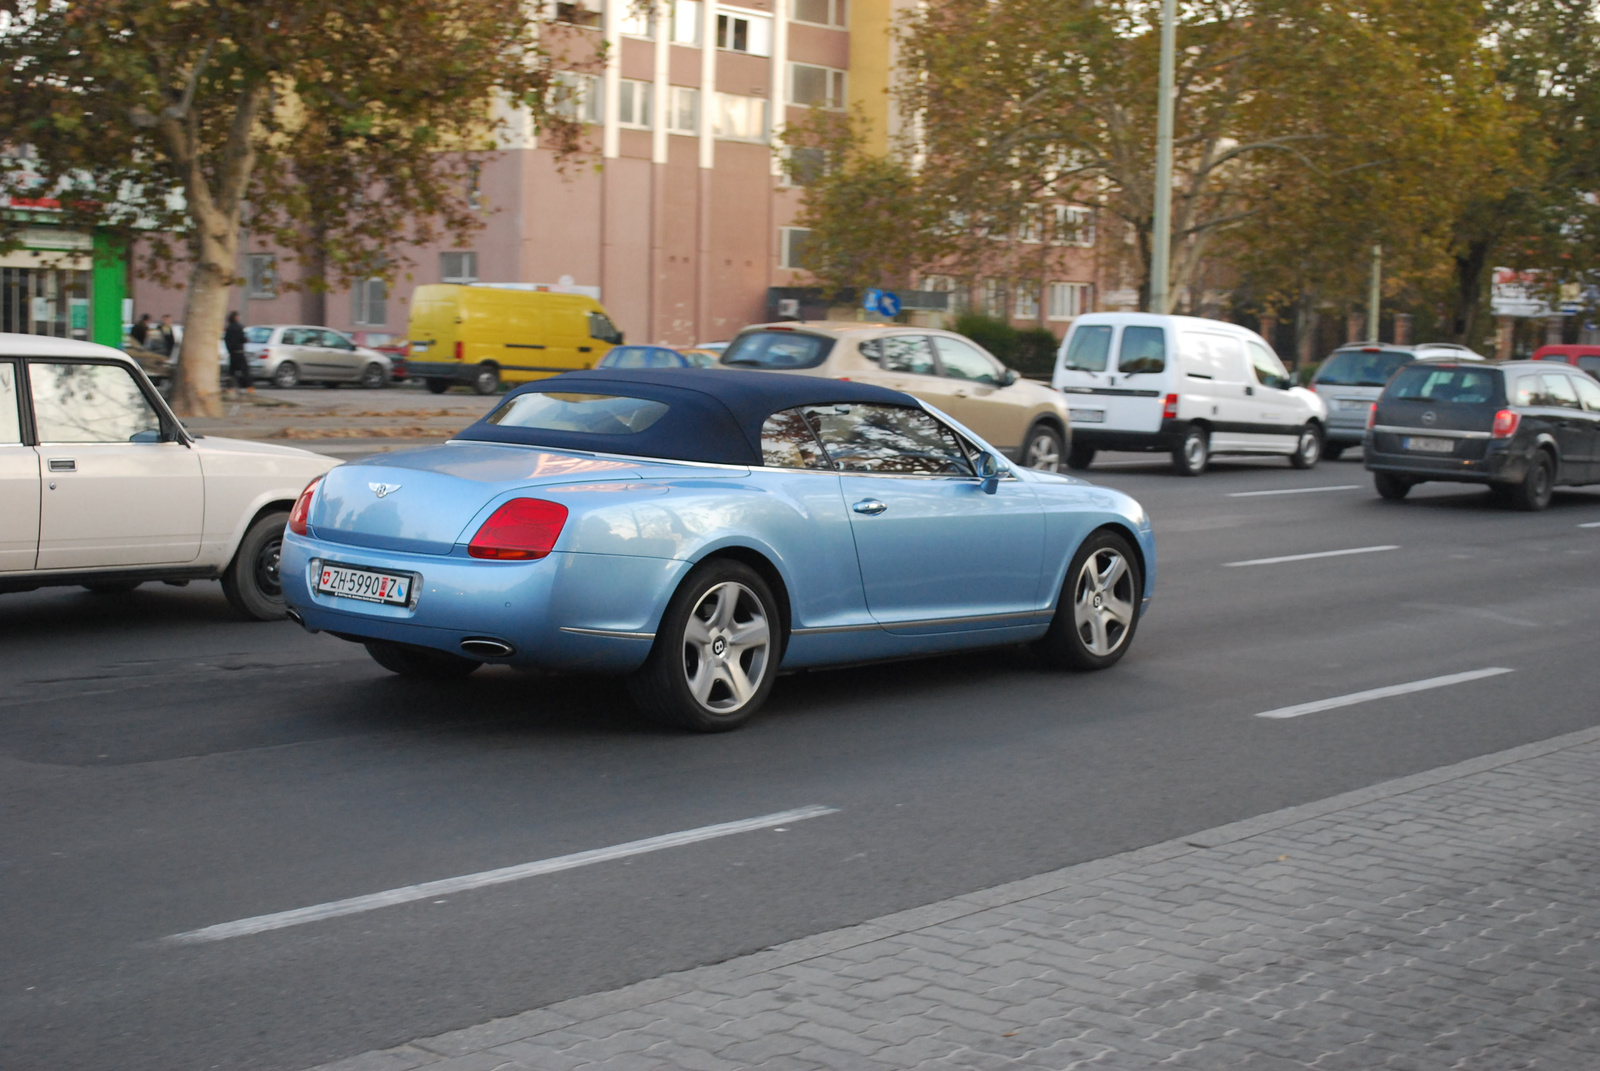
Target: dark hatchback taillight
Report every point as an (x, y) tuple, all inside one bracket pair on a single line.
[(521, 530), (1506, 422), (301, 514)]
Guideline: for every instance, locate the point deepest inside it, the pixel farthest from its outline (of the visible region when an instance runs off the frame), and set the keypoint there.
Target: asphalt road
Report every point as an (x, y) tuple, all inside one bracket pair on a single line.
[(165, 768)]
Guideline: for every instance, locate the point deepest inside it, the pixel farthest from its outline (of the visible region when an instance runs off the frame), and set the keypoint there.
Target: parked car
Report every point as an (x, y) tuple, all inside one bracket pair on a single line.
[(1352, 377), (158, 366), (104, 488), (648, 357), (1192, 387), (1585, 357), (1521, 427), (698, 530), (391, 346), (711, 347), (483, 335), (287, 355), (1026, 420)]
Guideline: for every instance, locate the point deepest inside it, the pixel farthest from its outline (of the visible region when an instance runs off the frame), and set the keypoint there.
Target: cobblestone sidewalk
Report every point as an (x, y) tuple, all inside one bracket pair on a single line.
[(1445, 920)]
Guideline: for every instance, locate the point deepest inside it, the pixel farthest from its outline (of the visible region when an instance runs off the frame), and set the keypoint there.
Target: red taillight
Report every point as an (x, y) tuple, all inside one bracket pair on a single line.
[(1505, 423), (460, 350), (302, 508), (522, 529), (1372, 415), (1169, 409)]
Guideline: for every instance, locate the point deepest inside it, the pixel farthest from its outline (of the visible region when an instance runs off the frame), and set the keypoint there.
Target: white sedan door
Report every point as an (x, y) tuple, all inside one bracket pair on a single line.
[(19, 481), (115, 494)]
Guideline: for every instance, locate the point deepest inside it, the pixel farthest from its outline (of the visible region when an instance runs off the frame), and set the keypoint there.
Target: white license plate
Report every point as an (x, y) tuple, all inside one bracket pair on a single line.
[(419, 347), (1354, 403), (364, 584), (1089, 416), (1428, 445)]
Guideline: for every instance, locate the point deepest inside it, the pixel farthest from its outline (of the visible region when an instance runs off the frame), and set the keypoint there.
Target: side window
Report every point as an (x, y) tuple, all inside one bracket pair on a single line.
[(1590, 365), (1529, 391), (295, 336), (960, 360), (1560, 393), (1089, 349), (888, 439), (10, 415), (1144, 349), (1269, 370), (1588, 393), (335, 341), (601, 327), (90, 403), (787, 443), (906, 353)]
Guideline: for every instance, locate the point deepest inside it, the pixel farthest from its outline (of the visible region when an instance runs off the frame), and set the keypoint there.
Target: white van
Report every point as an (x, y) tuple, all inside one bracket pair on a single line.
[(1180, 384)]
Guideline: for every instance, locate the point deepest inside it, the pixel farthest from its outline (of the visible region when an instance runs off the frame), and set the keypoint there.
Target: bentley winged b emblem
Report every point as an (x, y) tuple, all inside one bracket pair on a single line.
[(382, 489)]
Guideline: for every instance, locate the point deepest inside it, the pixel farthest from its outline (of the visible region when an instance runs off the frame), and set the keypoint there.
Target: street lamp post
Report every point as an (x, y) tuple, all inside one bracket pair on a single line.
[(1161, 230), (1375, 293)]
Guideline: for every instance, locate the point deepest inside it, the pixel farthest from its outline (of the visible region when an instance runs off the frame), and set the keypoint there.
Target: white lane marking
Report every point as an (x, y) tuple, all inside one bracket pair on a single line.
[(1294, 491), (406, 894), (1383, 693), (1591, 524), (1308, 557)]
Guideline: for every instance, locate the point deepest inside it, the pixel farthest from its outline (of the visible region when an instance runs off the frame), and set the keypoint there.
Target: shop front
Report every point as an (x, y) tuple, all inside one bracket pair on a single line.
[(63, 283)]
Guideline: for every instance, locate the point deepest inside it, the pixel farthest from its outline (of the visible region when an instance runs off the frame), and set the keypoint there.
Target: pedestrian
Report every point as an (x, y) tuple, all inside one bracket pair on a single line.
[(141, 330), (238, 365), (164, 340)]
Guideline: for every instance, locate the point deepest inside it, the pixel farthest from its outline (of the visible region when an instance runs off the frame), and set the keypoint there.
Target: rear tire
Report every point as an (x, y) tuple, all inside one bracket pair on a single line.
[(409, 661), (438, 386), (372, 376), (1043, 448), (716, 651), (286, 375), (1097, 611), (1191, 456), (1308, 450), (1080, 457), (1390, 486), (251, 582), (1537, 487), (486, 380)]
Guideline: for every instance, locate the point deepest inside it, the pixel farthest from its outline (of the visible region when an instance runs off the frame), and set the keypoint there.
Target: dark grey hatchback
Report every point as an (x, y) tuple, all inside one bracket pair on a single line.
[(1521, 428)]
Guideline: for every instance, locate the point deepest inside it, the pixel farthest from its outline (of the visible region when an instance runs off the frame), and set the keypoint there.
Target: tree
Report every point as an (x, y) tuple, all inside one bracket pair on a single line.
[(348, 127)]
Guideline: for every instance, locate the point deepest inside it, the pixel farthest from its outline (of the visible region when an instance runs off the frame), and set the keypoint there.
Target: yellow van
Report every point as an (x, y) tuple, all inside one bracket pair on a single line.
[(484, 335)]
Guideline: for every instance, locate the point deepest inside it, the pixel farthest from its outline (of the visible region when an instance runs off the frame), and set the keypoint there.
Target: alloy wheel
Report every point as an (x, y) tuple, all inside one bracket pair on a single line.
[(727, 643), (1043, 453), (1103, 601)]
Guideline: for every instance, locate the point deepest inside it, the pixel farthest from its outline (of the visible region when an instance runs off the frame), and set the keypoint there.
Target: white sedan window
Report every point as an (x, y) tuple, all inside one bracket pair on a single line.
[(90, 403), (10, 422)]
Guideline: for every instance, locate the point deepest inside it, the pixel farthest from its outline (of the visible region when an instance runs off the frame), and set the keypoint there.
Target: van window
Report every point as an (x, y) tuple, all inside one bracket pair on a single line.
[(1422, 383), (1590, 365), (593, 414), (1144, 349), (602, 329), (777, 349), (1089, 349), (1269, 370)]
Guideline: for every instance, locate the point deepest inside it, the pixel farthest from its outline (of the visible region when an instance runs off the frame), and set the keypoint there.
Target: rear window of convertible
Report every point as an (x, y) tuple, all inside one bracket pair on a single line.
[(592, 414), (777, 349)]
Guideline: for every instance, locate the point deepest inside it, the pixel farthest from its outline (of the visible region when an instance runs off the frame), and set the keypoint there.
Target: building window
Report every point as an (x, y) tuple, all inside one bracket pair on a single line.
[(960, 298), (578, 97), (740, 118), (739, 31), (819, 86), (368, 303), (792, 251), (820, 12), (1027, 303), (994, 298), (260, 276), (633, 103), (683, 110), (804, 165), (578, 12), (458, 267), (686, 22), (638, 20), (1073, 225), (1068, 300), (1030, 227)]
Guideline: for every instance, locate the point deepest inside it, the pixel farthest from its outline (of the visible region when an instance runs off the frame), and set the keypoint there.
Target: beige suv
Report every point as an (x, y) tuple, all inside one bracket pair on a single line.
[(1027, 421)]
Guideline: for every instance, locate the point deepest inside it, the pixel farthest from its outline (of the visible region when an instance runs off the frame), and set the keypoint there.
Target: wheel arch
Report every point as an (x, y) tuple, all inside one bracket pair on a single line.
[(768, 571), (1122, 529), (270, 505)]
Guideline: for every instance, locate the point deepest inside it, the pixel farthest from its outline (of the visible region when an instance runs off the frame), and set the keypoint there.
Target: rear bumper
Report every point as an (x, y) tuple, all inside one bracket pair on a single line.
[(455, 371), (582, 612), (1498, 465)]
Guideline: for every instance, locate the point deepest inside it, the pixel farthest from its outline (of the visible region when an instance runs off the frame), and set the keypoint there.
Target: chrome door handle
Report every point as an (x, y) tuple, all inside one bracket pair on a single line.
[(870, 506), (63, 464)]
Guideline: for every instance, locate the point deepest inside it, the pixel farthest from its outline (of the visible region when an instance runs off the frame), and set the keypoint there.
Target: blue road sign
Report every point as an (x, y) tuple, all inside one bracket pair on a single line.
[(889, 303), (869, 300)]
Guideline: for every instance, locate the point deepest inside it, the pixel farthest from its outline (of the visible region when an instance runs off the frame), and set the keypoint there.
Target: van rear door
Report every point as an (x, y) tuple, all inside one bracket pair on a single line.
[(1083, 370), (1133, 397)]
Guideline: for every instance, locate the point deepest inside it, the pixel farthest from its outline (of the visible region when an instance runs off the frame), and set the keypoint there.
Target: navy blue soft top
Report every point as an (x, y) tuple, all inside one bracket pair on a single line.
[(713, 414)]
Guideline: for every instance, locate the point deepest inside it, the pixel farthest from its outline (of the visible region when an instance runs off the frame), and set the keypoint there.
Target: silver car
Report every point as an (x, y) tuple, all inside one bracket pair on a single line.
[(1353, 376), (291, 354)]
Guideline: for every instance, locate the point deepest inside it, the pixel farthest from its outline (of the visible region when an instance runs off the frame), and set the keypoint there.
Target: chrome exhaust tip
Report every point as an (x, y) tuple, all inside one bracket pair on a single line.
[(484, 647)]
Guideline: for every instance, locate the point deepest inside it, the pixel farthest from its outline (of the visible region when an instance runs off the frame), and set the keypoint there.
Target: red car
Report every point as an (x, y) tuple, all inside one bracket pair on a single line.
[(1585, 357), (394, 347)]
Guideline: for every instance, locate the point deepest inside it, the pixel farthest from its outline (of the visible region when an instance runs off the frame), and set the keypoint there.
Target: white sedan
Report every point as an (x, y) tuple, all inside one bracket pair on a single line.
[(101, 486)]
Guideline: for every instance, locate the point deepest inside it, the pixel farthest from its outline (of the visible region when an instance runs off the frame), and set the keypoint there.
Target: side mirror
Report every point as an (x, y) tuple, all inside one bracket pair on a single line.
[(988, 472), (1008, 377)]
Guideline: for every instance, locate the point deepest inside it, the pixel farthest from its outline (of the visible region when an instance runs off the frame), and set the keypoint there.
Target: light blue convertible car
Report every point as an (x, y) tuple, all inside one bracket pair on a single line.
[(701, 530)]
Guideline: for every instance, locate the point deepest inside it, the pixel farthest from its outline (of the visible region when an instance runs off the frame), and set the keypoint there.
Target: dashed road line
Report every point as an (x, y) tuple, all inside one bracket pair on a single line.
[(409, 893), (1309, 557), (1294, 491), (1383, 693)]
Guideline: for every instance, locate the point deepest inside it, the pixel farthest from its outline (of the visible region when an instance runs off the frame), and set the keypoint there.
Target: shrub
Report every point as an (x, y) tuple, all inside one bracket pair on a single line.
[(996, 336), (1035, 352)]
